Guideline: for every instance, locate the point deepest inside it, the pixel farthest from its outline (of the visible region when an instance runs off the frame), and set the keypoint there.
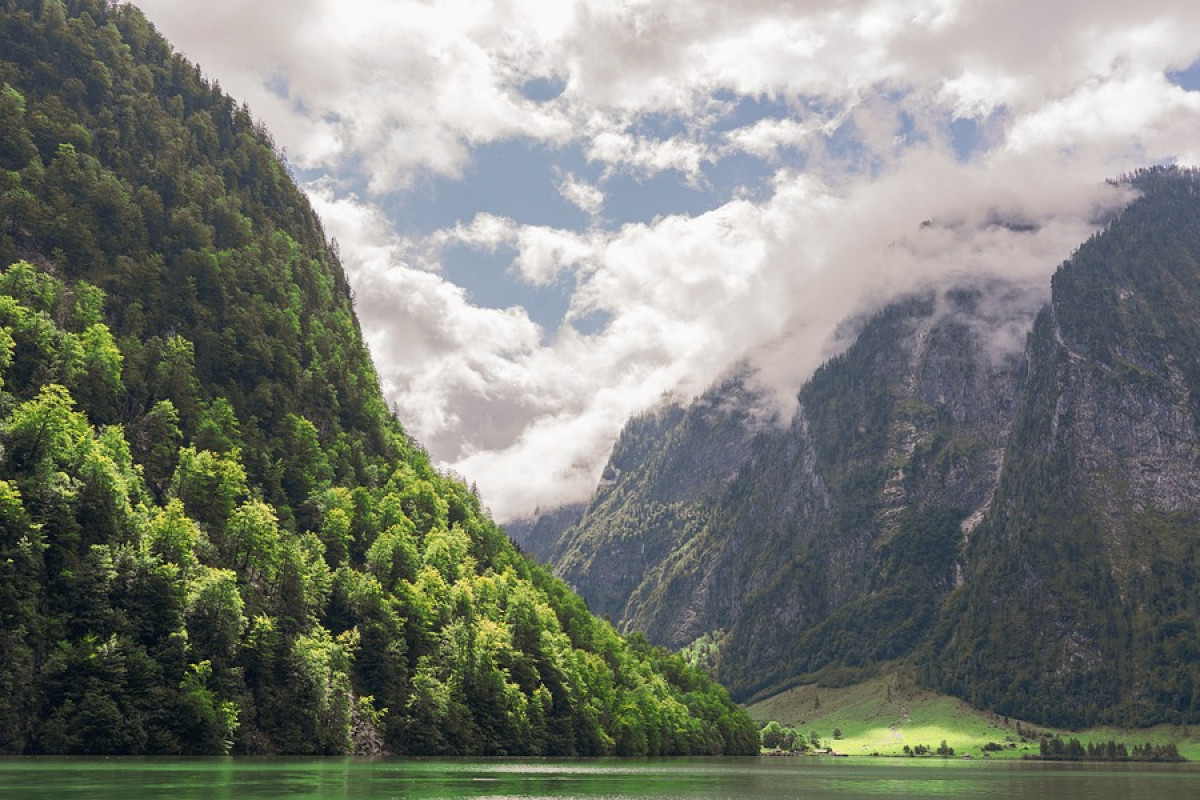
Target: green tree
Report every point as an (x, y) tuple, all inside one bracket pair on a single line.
[(16, 144), (336, 510), (218, 428), (393, 556), (210, 485), (215, 618), (207, 724), (99, 374), (155, 440), (305, 469), (172, 535), (772, 735), (251, 542)]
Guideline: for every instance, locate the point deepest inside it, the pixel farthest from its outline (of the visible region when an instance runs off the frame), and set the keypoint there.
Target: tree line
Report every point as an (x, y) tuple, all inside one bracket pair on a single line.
[(1053, 748)]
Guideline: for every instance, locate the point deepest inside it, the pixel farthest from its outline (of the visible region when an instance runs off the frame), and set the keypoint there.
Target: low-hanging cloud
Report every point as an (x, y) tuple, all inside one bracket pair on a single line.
[(531, 418), (871, 196)]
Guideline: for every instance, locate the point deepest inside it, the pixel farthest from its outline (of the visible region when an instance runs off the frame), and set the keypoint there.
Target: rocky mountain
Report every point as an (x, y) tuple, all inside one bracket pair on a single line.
[(1079, 595), (1015, 514), (213, 536)]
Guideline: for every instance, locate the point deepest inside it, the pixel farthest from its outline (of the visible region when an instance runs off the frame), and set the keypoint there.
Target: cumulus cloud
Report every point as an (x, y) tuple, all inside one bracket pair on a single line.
[(869, 196), (410, 87), (585, 196), (543, 253), (646, 156), (415, 85), (766, 137)]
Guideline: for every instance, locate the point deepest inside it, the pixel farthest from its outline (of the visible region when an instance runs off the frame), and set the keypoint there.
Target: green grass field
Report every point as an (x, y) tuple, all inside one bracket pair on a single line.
[(883, 715)]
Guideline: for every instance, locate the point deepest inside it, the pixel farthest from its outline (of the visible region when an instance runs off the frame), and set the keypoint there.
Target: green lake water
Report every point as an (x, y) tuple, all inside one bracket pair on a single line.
[(808, 778)]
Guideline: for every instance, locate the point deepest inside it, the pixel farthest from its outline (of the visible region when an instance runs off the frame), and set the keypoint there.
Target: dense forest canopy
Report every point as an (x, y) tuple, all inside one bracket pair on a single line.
[(213, 536)]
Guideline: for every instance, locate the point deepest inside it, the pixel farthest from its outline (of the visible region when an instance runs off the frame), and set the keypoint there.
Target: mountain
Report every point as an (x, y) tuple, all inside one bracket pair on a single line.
[(769, 536), (213, 536), (1001, 491), (1079, 598)]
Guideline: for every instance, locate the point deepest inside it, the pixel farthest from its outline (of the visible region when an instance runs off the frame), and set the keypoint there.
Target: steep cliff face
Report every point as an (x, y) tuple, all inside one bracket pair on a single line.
[(906, 432), (1079, 602), (1004, 489), (653, 493)]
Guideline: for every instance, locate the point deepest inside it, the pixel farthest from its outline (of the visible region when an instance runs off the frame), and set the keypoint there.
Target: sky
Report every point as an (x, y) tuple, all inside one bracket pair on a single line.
[(557, 214)]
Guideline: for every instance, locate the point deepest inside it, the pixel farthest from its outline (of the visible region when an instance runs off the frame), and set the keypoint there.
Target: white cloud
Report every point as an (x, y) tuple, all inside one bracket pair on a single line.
[(404, 88), (546, 253), (646, 156), (531, 419), (976, 93), (543, 253), (767, 137), (410, 85), (485, 232), (1142, 111), (583, 195), (393, 91)]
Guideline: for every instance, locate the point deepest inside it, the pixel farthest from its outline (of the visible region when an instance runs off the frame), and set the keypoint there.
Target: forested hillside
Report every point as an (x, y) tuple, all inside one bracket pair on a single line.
[(213, 536)]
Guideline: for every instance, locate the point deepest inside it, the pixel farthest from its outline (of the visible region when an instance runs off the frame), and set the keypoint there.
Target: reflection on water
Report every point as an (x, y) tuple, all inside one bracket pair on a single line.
[(663, 779)]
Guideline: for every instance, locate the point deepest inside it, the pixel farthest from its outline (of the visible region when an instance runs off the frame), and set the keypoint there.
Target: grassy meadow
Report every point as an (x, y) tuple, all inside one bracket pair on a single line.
[(885, 714)]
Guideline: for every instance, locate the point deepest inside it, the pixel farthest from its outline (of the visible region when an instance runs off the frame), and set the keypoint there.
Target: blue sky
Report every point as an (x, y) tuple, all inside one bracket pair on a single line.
[(557, 214), (519, 178)]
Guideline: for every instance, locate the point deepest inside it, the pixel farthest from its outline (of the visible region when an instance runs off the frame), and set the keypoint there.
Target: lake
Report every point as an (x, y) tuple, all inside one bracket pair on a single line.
[(663, 779)]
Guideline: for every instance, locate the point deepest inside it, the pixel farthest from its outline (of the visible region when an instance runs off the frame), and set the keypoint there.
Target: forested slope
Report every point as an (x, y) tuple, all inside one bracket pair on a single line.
[(213, 536)]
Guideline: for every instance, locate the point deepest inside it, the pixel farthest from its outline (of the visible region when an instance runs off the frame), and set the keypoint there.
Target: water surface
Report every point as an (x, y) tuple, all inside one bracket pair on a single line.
[(663, 779)]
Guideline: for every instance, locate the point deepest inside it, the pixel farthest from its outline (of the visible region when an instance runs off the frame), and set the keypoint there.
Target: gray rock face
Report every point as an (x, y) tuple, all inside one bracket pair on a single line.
[(539, 534), (663, 469), (1079, 601), (907, 431), (1132, 430)]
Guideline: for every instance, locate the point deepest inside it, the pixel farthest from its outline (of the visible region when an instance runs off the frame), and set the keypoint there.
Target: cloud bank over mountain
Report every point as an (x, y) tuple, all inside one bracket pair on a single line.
[(555, 214)]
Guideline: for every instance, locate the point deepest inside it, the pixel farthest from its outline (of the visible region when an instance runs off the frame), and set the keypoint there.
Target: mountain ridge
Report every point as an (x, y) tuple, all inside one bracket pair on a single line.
[(921, 464)]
